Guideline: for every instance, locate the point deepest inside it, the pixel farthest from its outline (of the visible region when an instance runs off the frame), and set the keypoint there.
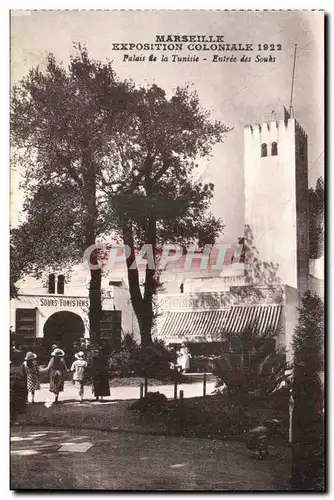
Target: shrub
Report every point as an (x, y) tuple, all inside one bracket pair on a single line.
[(152, 361), (153, 403), (120, 363), (18, 393), (254, 369), (307, 390)]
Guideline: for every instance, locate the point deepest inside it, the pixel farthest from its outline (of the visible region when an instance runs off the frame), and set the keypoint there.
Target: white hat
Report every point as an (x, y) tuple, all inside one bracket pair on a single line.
[(30, 355), (58, 352), (79, 355)]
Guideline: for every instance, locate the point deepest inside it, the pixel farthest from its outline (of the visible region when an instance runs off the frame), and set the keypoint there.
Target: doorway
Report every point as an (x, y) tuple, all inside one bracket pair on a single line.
[(63, 328)]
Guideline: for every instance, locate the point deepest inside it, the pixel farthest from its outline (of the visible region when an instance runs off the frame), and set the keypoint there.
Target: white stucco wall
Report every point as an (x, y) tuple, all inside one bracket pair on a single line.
[(33, 294), (270, 195)]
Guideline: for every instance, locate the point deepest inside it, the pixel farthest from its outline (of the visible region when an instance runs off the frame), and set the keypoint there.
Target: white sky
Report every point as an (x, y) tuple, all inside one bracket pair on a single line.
[(236, 94)]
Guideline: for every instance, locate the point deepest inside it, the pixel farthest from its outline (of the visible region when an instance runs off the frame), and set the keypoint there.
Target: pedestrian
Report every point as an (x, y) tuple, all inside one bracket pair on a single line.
[(100, 374), (79, 367), (172, 358), (31, 371), (57, 369), (184, 358)]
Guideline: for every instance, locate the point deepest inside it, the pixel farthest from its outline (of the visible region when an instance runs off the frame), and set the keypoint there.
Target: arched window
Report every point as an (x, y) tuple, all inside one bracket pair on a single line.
[(60, 284), (52, 281), (274, 149), (264, 151)]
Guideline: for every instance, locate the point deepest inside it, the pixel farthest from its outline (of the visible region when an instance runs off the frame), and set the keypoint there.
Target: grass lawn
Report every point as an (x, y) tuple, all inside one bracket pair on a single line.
[(209, 416)]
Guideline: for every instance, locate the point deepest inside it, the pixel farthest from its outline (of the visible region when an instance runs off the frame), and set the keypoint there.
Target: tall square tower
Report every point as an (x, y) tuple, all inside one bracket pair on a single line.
[(276, 196)]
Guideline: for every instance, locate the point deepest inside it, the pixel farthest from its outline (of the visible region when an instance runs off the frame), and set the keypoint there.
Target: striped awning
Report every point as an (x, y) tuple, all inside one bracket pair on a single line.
[(196, 325), (193, 324), (263, 318)]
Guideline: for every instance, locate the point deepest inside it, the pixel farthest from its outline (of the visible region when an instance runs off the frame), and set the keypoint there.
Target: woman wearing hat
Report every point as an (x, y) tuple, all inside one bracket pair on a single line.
[(79, 367), (31, 371), (57, 369)]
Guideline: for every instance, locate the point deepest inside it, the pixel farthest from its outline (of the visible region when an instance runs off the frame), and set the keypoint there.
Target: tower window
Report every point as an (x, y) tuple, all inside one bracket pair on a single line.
[(52, 283), (264, 151), (60, 284), (274, 149)]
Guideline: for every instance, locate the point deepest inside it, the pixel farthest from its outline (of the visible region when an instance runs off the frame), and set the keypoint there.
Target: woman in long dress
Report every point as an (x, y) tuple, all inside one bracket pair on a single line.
[(100, 374), (31, 371), (57, 369), (184, 358)]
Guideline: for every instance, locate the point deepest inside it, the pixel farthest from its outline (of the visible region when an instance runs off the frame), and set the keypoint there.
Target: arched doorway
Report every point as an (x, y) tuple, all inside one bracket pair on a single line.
[(63, 328)]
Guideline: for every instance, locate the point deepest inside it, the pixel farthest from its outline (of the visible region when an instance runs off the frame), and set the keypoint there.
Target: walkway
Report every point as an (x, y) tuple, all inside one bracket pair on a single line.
[(190, 390)]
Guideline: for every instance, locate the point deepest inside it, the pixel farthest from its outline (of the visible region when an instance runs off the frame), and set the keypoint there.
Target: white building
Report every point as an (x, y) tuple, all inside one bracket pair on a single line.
[(55, 311), (276, 211), (195, 304)]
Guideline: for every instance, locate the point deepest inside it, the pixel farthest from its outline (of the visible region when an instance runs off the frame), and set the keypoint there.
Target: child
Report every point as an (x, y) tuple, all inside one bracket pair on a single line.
[(31, 371), (78, 367)]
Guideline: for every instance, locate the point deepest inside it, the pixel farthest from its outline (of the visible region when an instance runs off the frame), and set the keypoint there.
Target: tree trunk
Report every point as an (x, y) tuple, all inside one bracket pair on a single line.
[(140, 306), (95, 305), (95, 295)]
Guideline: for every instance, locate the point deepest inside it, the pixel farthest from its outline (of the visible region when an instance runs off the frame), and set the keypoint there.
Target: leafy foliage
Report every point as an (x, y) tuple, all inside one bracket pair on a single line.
[(99, 156), (307, 391), (258, 272), (316, 201), (154, 403), (62, 121), (151, 361), (308, 340), (158, 146), (252, 369)]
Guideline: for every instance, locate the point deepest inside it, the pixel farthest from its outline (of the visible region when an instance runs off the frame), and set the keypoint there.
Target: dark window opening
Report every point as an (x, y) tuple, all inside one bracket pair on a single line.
[(274, 149), (26, 323), (52, 283), (181, 288), (61, 284), (264, 151)]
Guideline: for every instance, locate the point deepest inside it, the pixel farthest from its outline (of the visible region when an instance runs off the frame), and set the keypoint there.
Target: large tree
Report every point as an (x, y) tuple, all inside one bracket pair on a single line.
[(62, 120), (162, 139), (100, 156)]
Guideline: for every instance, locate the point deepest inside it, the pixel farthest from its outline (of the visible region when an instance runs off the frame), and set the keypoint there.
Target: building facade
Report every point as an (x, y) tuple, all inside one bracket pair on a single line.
[(56, 310), (196, 305)]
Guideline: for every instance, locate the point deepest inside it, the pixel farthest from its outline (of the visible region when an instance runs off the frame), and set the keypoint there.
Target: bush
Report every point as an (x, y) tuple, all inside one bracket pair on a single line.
[(307, 421), (120, 363), (18, 393), (134, 360), (153, 403), (152, 361)]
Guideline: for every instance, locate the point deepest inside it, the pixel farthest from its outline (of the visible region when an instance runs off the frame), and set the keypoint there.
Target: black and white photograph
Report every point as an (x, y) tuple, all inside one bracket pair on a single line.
[(167, 199)]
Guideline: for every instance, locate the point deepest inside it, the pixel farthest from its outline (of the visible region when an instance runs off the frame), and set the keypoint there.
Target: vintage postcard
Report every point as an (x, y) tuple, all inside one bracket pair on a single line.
[(167, 250)]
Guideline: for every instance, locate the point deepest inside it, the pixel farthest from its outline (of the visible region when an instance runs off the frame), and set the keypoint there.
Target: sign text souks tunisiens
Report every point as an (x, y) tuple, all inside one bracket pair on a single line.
[(64, 302)]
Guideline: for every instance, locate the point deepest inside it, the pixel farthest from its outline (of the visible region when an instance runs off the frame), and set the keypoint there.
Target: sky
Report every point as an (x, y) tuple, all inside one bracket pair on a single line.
[(235, 93)]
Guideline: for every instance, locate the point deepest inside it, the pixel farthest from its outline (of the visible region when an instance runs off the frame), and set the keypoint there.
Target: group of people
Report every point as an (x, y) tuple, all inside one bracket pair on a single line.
[(94, 367)]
